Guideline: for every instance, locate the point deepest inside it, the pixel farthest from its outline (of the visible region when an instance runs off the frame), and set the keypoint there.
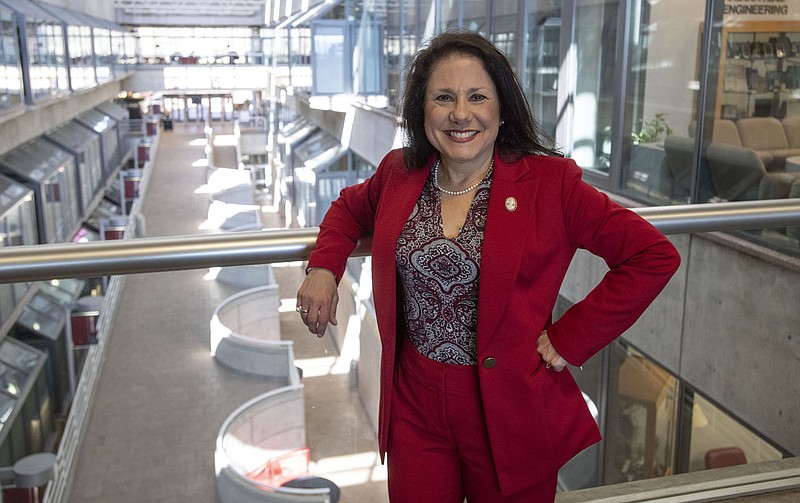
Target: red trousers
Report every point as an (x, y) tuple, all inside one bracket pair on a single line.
[(438, 448)]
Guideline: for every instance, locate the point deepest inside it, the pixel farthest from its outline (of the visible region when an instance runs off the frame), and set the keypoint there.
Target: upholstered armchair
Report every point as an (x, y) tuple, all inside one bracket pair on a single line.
[(735, 171), (676, 168), (738, 174)]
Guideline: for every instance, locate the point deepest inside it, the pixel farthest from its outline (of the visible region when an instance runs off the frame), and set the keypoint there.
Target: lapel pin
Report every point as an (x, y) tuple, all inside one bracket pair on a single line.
[(511, 204)]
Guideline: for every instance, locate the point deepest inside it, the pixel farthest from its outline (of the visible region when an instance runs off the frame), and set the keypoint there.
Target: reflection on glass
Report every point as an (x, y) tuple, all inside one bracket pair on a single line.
[(329, 63), (14, 354), (540, 72), (595, 46), (504, 29), (12, 380), (6, 407), (641, 420), (754, 145), (719, 440), (657, 163)]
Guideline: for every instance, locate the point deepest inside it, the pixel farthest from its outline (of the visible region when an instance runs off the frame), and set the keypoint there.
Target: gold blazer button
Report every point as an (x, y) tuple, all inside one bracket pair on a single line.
[(489, 362)]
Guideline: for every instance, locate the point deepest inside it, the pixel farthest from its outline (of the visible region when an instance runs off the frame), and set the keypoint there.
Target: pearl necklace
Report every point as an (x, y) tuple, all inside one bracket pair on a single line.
[(457, 192)]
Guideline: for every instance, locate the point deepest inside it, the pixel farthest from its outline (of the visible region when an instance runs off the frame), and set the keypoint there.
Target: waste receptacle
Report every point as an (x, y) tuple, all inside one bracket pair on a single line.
[(84, 320)]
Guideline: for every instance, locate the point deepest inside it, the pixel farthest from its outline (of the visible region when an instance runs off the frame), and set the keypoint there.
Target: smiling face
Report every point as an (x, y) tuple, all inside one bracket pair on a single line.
[(462, 112)]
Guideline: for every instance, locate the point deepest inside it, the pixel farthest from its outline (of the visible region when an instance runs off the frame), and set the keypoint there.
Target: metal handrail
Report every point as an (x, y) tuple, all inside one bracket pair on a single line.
[(143, 255)]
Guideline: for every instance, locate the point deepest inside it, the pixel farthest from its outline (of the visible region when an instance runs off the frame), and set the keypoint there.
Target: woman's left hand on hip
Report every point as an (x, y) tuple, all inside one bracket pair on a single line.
[(549, 354)]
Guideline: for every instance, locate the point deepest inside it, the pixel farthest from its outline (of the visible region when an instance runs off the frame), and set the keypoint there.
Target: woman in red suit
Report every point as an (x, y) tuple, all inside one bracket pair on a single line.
[(474, 225)]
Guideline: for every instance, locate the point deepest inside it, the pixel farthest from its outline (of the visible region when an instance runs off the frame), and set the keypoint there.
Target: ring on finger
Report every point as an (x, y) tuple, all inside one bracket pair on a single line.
[(301, 310)]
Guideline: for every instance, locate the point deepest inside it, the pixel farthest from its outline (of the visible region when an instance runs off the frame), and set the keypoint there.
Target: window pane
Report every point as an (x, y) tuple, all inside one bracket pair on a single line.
[(753, 136), (641, 420), (504, 29), (719, 440), (662, 87), (540, 75), (328, 63), (595, 46)]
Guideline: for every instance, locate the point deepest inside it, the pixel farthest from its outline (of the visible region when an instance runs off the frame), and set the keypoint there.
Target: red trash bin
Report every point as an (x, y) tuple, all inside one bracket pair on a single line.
[(85, 314)]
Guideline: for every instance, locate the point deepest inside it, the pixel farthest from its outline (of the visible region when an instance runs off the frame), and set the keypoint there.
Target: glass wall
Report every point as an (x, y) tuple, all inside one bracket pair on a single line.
[(193, 45), (641, 420), (367, 56), (653, 423), (103, 54), (722, 131), (717, 438), (10, 74), (81, 56), (662, 91), (44, 41), (50, 172), (542, 61), (476, 15), (329, 65), (451, 14), (505, 28)]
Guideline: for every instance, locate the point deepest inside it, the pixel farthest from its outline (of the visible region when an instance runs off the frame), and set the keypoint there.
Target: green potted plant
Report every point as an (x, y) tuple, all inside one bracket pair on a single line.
[(652, 131)]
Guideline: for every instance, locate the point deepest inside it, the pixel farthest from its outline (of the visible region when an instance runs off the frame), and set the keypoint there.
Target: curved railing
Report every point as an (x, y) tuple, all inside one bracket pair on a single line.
[(245, 334), (261, 446)]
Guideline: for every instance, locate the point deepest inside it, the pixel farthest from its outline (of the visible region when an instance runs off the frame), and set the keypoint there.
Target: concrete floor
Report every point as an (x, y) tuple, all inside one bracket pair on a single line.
[(162, 398)]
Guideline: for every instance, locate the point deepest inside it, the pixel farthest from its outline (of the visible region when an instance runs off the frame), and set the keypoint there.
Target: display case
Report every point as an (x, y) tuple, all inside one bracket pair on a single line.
[(320, 173), (760, 74), (85, 146), (50, 171), (17, 227), (106, 209), (291, 135), (63, 290), (108, 129), (119, 114), (26, 414), (42, 325)]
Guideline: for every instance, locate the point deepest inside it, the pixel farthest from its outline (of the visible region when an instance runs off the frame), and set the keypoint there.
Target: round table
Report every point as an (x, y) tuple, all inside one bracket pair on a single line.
[(793, 163)]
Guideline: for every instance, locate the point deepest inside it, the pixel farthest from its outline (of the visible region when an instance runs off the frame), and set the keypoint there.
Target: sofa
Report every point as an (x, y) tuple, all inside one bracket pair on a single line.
[(768, 136), (738, 174)]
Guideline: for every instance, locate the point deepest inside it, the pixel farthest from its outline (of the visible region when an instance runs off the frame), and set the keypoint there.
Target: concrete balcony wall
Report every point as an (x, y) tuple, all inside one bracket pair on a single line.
[(151, 77), (31, 121), (726, 324)]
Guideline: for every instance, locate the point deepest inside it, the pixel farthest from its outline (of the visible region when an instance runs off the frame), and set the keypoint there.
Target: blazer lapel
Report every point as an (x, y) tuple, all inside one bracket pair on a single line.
[(397, 201), (405, 190), (508, 224)]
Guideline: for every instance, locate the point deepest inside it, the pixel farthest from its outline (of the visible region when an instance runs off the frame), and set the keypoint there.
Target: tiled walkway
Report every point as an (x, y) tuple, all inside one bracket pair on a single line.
[(162, 398)]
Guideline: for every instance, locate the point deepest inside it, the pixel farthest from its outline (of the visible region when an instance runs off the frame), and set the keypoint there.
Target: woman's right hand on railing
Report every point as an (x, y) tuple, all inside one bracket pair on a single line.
[(317, 299)]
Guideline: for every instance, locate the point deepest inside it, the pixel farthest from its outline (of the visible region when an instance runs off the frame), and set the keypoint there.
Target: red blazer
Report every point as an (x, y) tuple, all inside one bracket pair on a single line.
[(537, 418)]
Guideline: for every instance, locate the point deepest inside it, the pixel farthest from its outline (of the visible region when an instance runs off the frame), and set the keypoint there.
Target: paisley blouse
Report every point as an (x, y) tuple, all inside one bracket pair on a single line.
[(439, 277)]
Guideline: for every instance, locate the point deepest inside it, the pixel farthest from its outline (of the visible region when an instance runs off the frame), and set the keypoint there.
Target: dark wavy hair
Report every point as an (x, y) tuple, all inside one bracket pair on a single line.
[(519, 135)]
